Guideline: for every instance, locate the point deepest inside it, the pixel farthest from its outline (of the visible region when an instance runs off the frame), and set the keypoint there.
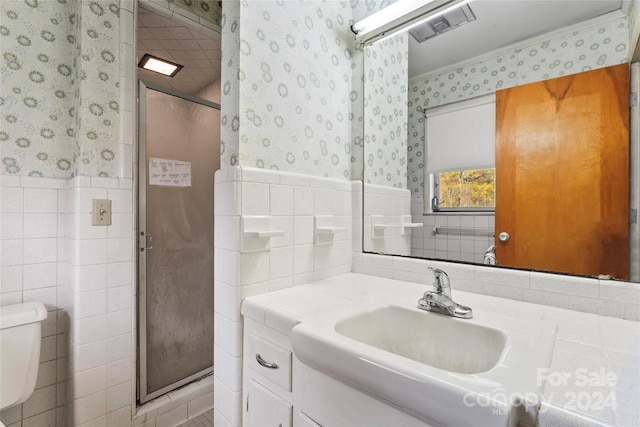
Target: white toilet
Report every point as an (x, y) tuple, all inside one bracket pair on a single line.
[(19, 351)]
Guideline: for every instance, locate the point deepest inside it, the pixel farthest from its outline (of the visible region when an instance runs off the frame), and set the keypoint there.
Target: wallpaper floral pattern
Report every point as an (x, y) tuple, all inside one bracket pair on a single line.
[(59, 94), (210, 10), (293, 84), (229, 77), (36, 100), (634, 11), (595, 47), (363, 8), (386, 81), (98, 132), (360, 9)]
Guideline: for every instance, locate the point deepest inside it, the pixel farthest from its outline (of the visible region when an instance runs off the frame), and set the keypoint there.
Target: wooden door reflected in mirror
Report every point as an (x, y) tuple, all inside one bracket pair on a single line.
[(562, 183)]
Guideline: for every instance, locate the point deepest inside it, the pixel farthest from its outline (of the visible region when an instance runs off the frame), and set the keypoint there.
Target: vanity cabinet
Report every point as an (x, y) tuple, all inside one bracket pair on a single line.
[(280, 391), (264, 408), (323, 401), (267, 395)]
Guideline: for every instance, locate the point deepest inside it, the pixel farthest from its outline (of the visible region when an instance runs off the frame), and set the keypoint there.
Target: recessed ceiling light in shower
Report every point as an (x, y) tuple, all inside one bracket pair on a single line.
[(159, 65)]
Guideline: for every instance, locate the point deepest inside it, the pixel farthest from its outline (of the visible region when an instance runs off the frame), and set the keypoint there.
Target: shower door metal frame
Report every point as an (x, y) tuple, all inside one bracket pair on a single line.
[(143, 396)]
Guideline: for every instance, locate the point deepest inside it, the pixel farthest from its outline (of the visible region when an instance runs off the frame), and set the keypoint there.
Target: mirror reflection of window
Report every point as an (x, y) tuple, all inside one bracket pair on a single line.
[(470, 190), (460, 141)]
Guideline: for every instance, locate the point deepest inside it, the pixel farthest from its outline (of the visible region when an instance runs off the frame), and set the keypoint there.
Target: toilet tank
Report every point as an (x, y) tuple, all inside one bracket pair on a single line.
[(19, 351)]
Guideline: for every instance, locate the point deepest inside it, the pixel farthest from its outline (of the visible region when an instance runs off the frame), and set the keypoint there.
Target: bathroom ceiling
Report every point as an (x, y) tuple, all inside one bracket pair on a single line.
[(501, 23), (198, 51)]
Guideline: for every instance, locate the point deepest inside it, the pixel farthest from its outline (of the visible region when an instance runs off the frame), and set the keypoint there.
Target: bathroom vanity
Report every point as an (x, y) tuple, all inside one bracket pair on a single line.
[(294, 394), (315, 355)]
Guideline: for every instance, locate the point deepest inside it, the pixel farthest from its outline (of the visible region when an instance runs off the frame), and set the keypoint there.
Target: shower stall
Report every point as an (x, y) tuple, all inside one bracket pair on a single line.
[(179, 152)]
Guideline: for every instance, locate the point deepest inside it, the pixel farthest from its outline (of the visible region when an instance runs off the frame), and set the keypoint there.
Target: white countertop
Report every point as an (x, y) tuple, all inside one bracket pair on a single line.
[(589, 348)]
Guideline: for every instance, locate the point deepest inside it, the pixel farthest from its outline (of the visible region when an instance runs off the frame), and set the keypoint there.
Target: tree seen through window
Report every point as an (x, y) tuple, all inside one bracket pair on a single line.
[(474, 188)]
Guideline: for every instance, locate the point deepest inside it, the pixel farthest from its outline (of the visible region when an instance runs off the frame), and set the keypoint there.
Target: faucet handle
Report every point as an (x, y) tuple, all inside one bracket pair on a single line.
[(441, 279)]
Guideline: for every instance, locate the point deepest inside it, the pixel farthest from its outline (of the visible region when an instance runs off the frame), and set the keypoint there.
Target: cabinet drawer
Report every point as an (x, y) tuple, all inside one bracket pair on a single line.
[(270, 361), (265, 409)]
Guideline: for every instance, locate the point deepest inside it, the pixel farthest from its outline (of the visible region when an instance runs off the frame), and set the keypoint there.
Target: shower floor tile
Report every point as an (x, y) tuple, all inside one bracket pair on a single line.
[(202, 420)]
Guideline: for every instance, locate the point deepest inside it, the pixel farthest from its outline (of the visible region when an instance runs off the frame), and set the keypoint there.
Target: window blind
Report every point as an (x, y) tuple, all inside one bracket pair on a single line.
[(461, 136)]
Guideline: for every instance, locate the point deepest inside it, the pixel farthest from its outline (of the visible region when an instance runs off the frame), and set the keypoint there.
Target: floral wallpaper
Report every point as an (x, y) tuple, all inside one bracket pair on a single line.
[(360, 9), (595, 47), (210, 10), (59, 94), (363, 8), (98, 130), (230, 82), (634, 11), (357, 113), (386, 81), (36, 97), (290, 63)]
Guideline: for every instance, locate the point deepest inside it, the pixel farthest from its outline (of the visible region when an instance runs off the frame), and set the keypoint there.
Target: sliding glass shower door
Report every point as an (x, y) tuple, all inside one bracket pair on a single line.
[(179, 154)]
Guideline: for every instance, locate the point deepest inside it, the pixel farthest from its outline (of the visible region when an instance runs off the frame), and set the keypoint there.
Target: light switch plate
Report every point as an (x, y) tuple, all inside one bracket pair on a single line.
[(101, 213)]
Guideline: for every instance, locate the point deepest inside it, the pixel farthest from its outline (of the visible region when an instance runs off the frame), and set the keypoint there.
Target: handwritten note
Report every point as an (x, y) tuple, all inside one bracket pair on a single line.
[(170, 173)]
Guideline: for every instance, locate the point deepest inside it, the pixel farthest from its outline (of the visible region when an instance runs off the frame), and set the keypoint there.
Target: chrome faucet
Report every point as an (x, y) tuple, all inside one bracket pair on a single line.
[(439, 300), (490, 256)]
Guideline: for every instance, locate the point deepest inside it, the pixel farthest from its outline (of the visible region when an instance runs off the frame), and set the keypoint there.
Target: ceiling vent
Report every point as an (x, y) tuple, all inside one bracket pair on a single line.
[(442, 23)]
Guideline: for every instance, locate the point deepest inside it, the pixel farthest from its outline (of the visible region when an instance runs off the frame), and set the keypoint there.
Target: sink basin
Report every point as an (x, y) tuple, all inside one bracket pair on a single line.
[(442, 370), (450, 344)]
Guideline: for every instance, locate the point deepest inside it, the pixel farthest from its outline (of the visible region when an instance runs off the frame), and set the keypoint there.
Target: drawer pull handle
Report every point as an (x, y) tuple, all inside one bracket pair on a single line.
[(264, 363)]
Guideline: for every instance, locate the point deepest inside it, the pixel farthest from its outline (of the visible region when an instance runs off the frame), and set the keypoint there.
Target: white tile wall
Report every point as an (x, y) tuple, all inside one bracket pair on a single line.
[(457, 244), (389, 205), (100, 293), (60, 260), (291, 200), (589, 295), (32, 260)]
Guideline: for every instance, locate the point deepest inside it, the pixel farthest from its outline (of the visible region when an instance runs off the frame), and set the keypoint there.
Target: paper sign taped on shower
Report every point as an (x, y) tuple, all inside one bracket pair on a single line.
[(169, 173)]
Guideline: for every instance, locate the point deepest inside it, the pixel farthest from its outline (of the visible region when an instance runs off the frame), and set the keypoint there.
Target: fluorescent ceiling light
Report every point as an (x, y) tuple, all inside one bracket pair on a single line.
[(399, 16), (159, 65)]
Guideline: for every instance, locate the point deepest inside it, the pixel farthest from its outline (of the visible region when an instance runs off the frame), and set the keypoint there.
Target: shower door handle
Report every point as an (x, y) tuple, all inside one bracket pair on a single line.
[(143, 244)]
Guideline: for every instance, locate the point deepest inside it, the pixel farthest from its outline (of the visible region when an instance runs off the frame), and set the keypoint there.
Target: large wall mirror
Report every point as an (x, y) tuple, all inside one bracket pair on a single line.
[(498, 133)]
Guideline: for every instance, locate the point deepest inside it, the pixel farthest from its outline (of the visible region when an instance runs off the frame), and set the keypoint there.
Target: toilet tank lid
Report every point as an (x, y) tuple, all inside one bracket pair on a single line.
[(22, 314)]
